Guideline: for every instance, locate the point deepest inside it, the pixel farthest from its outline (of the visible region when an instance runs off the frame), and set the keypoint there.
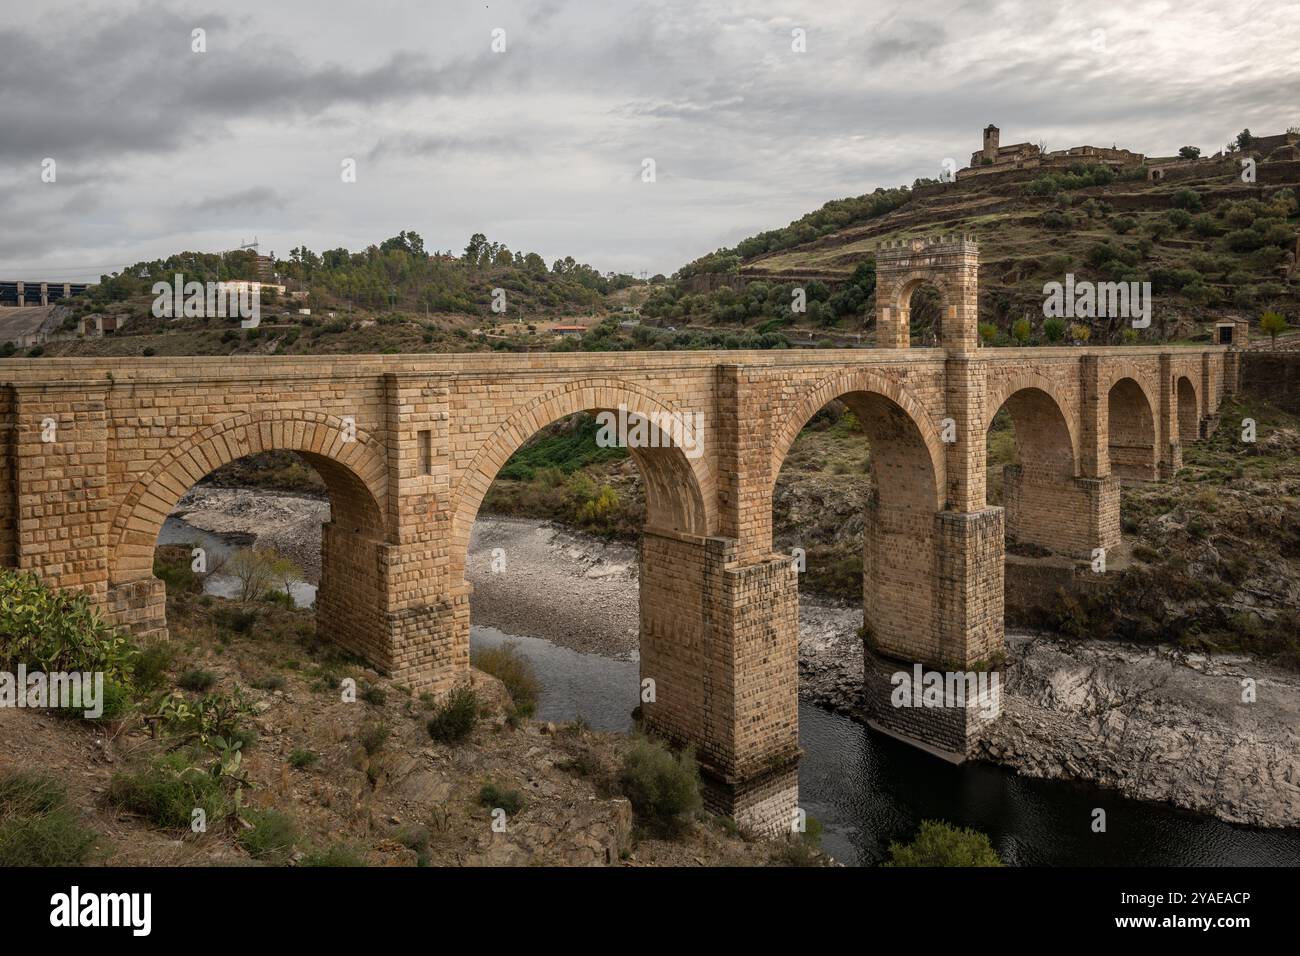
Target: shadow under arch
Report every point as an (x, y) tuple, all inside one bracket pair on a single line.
[(1131, 430), (1189, 410)]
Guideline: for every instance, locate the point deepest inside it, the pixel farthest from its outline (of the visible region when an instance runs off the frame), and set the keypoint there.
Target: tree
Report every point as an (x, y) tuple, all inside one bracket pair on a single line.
[(941, 844), (1080, 332), (258, 570), (988, 332), (1244, 139), (1189, 152), (474, 249), (405, 241), (1054, 330), (1020, 331), (1272, 323)]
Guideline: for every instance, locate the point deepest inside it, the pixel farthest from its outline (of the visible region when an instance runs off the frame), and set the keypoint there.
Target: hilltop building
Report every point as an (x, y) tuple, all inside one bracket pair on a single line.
[(995, 158)]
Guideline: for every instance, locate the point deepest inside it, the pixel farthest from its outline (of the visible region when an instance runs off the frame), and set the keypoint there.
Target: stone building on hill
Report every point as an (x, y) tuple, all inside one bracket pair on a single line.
[(994, 158)]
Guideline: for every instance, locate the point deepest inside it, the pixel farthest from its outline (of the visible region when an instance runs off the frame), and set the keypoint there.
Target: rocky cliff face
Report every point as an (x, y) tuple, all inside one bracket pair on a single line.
[(1217, 735)]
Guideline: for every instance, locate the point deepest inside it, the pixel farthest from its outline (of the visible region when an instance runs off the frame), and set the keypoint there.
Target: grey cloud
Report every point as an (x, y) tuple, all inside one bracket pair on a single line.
[(255, 197)]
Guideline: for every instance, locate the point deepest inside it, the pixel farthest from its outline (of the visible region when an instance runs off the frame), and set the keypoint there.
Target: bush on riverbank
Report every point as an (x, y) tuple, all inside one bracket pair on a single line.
[(664, 788), (453, 720), (941, 844)]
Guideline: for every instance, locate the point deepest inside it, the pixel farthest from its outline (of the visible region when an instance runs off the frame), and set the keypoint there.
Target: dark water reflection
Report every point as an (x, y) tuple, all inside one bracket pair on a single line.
[(868, 789)]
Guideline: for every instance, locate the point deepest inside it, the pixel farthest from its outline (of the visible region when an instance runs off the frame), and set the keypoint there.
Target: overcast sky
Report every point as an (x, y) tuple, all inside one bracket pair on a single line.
[(160, 149)]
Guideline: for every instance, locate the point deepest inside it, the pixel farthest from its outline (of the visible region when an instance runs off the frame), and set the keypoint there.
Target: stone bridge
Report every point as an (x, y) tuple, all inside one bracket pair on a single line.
[(97, 452)]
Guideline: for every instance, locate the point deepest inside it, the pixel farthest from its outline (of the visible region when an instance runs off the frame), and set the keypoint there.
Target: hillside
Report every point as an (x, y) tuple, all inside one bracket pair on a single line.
[(1209, 243)]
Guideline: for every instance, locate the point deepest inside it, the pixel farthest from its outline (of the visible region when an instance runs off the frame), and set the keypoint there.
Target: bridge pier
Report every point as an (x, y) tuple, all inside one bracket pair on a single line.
[(1068, 515), (720, 671), (933, 599)]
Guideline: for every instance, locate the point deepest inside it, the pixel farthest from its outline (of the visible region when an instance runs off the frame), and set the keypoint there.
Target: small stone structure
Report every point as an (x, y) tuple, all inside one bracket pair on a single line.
[(97, 452)]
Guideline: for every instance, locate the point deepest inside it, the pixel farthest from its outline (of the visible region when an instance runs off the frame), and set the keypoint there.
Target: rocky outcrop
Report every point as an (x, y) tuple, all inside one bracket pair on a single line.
[(1218, 735)]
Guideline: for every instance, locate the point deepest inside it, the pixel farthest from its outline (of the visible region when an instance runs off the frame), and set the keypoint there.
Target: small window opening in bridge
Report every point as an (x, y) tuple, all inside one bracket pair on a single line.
[(426, 452)]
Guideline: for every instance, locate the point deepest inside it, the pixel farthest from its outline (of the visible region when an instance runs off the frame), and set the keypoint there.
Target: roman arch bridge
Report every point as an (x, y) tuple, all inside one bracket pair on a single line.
[(97, 452)]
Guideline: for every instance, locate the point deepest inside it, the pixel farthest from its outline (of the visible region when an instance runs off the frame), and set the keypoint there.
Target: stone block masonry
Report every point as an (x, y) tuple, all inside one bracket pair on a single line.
[(96, 453)]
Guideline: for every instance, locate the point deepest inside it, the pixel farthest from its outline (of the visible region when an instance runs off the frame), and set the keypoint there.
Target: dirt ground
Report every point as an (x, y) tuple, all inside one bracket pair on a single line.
[(571, 814)]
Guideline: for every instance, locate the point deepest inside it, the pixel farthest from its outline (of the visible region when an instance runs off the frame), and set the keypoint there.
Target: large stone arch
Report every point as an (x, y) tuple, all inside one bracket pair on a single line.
[(1045, 503), (900, 598), (1046, 421), (1131, 429), (681, 491), (1187, 398), (863, 382), (347, 458)]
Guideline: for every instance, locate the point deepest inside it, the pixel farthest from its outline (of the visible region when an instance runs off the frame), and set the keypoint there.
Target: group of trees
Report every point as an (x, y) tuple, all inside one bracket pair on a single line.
[(398, 272), (766, 304), (395, 273)]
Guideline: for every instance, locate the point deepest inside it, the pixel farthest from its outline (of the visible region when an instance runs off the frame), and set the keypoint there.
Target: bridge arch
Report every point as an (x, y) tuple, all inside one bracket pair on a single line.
[(346, 458), (901, 434), (681, 490), (900, 599), (1131, 426), (1189, 409), (1046, 422)]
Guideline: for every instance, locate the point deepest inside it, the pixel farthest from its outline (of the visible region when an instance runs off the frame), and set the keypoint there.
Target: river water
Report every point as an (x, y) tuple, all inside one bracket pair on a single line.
[(868, 789)]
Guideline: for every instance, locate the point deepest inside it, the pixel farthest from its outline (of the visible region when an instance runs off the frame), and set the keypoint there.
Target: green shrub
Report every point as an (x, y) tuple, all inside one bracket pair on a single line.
[(454, 720), (272, 836), (172, 566), (508, 664), (664, 789), (373, 737), (270, 682), (151, 665), (801, 849), (168, 791), (37, 826), (239, 620), (494, 797), (302, 759), (941, 844), (340, 854), (117, 701), (373, 694), (197, 679), (53, 630)]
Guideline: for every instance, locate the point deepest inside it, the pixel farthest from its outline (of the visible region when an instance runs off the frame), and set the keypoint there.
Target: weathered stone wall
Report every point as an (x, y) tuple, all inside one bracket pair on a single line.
[(350, 598), (1067, 515)]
